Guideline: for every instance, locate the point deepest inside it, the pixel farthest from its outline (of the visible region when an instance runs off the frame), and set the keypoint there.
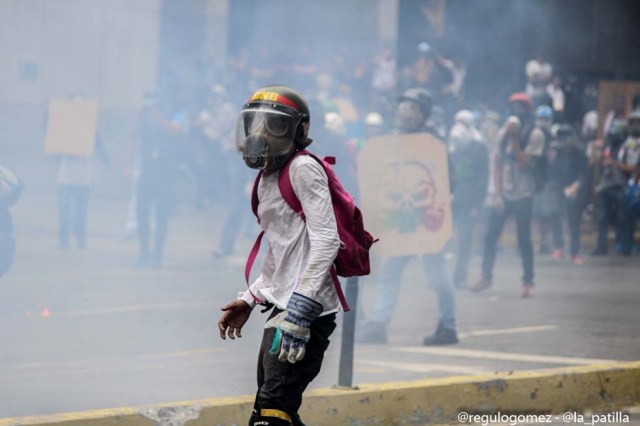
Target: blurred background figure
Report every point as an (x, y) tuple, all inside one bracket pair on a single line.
[(521, 149), (567, 179), (211, 132), (134, 159), (539, 73), (75, 175), (613, 208), (412, 115), (630, 165), (556, 93), (470, 162), (10, 191), (162, 147), (545, 202)]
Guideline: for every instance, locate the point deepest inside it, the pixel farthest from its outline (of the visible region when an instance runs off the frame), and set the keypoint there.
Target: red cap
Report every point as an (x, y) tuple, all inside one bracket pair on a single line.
[(521, 97)]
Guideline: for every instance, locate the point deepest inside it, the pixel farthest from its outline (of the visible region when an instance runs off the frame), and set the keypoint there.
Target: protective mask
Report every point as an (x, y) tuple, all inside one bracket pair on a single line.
[(265, 137)]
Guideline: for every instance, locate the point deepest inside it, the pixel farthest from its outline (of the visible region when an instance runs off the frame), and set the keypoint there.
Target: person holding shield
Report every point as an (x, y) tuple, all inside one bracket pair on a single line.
[(412, 113)]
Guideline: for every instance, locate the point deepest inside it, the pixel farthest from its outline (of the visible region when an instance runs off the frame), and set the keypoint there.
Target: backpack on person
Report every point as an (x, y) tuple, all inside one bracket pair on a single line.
[(355, 242)]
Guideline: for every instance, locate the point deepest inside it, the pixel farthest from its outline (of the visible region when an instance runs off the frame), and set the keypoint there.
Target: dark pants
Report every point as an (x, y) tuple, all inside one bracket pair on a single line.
[(72, 208), (572, 210), (156, 197), (613, 208), (522, 210), (464, 221), (281, 384)]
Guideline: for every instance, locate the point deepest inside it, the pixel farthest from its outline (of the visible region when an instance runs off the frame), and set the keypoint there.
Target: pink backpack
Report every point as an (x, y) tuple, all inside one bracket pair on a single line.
[(355, 241)]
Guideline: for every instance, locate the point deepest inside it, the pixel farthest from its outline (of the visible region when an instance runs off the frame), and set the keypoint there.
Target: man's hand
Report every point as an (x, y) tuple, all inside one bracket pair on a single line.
[(513, 127), (571, 191), (233, 319), (295, 323)]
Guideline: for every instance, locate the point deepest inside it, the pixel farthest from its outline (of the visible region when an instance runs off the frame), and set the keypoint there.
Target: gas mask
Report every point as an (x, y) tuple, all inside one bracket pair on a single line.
[(266, 135), (409, 117)]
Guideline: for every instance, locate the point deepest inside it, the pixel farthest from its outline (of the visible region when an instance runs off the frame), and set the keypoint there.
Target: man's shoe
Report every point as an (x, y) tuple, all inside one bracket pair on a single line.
[(527, 291), (372, 332), (482, 284), (442, 336)]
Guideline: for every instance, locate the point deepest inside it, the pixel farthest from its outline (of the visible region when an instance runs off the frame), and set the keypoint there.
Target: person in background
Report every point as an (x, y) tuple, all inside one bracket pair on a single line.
[(75, 174), (567, 178), (539, 73), (611, 191), (545, 202), (10, 191), (212, 129), (521, 148), (384, 78), (470, 161), (133, 164), (161, 134), (630, 165), (554, 89), (412, 116)]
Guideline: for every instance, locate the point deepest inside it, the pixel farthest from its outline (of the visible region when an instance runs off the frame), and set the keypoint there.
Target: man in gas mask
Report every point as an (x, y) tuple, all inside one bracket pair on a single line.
[(412, 113), (295, 278), (521, 148)]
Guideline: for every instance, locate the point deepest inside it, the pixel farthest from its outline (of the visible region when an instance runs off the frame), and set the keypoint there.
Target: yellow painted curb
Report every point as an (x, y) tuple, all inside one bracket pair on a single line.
[(594, 387)]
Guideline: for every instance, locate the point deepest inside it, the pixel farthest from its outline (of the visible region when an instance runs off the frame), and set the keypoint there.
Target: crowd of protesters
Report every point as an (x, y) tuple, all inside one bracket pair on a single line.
[(588, 181)]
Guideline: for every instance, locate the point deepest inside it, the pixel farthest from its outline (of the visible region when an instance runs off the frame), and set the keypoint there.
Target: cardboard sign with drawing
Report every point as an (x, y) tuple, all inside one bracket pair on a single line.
[(405, 194)]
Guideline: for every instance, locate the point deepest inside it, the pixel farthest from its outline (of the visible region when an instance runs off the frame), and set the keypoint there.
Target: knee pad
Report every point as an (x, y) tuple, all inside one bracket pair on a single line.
[(270, 417)]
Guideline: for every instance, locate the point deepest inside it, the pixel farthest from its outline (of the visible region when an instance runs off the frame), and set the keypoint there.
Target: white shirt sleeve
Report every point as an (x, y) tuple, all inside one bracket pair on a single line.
[(310, 183)]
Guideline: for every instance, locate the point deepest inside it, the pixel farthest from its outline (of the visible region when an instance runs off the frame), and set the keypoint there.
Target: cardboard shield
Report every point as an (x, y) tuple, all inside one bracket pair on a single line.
[(405, 195), (71, 127)]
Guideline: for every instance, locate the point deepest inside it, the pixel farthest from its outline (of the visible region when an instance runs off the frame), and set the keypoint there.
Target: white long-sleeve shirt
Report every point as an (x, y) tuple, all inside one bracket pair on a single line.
[(300, 252)]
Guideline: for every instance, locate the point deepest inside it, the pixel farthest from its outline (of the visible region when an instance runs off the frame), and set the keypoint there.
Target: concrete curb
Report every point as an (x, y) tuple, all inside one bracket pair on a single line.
[(558, 390)]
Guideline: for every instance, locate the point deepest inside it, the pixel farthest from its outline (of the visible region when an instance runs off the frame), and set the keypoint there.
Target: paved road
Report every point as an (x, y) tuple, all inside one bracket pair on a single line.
[(85, 330)]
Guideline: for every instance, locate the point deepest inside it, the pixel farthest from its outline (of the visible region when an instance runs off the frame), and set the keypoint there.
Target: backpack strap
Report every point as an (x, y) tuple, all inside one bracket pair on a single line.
[(286, 187), (250, 260), (338, 287), (254, 195)]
